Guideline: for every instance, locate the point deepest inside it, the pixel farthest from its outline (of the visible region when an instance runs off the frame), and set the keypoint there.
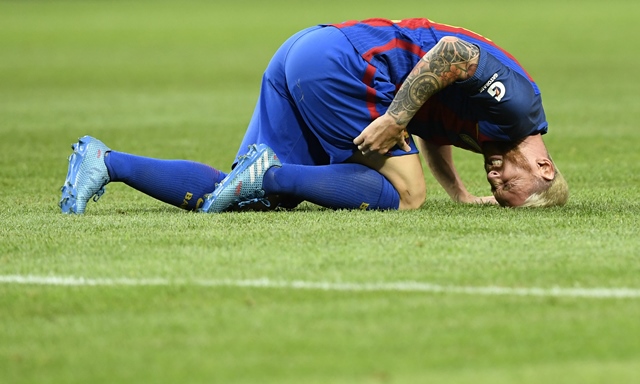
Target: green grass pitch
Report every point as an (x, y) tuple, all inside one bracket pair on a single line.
[(140, 292)]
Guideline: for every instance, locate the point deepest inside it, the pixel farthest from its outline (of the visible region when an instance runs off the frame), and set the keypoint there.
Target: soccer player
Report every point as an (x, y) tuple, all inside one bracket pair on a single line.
[(445, 85)]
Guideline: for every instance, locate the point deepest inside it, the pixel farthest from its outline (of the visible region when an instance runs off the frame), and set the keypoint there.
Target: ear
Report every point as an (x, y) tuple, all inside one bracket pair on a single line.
[(546, 168)]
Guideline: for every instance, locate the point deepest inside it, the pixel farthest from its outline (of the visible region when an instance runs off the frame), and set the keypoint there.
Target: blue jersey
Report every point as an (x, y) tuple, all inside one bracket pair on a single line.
[(501, 102), (327, 83)]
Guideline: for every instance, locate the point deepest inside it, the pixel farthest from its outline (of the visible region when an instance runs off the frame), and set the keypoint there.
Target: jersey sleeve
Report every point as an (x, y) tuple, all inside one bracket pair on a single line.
[(507, 104)]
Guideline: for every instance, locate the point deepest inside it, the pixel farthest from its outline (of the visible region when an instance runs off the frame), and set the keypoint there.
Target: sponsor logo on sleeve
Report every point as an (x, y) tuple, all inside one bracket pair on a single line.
[(494, 88)]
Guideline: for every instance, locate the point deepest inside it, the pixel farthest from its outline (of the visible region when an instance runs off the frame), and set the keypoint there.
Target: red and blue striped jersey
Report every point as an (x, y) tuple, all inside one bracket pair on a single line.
[(461, 115)]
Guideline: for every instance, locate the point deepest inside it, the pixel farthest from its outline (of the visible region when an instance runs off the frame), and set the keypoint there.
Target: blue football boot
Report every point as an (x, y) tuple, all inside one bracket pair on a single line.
[(243, 185), (86, 177)]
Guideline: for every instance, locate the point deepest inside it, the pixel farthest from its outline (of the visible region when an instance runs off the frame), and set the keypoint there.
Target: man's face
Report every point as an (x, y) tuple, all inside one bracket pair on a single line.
[(510, 174)]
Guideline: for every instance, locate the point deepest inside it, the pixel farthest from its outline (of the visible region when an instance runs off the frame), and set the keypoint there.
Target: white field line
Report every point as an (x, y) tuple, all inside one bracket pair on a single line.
[(408, 286)]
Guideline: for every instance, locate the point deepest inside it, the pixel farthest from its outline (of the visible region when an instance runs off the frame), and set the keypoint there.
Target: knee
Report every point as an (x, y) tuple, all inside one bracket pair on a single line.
[(412, 196)]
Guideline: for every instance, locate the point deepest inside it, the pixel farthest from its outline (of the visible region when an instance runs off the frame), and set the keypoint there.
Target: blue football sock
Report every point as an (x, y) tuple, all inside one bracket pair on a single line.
[(337, 186), (177, 182)]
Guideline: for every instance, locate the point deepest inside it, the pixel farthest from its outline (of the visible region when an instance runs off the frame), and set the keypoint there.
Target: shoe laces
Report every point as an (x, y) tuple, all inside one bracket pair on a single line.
[(99, 193), (262, 200)]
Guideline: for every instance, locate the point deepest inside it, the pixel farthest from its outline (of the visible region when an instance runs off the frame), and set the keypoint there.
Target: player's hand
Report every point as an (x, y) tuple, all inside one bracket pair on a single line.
[(470, 199), (382, 135)]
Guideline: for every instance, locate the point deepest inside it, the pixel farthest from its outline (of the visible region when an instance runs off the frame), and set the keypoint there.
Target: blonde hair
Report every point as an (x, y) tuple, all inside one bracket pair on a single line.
[(549, 193)]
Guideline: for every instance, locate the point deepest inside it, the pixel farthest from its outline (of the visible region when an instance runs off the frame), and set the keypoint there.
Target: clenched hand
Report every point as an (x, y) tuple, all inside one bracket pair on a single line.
[(382, 135)]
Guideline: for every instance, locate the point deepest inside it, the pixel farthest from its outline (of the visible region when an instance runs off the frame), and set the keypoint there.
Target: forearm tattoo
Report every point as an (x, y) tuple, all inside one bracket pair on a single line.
[(450, 60)]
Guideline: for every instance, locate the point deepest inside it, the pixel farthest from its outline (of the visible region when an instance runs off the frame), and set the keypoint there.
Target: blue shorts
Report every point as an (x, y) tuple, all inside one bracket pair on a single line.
[(314, 100)]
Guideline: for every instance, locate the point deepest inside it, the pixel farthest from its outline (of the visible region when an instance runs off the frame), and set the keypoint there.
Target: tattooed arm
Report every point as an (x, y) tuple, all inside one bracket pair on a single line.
[(448, 61)]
